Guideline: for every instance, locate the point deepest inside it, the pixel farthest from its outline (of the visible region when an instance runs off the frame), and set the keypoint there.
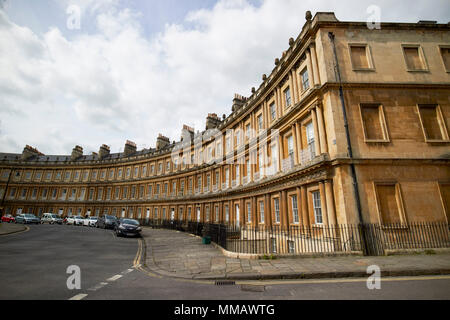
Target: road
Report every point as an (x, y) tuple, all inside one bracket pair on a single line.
[(33, 265)]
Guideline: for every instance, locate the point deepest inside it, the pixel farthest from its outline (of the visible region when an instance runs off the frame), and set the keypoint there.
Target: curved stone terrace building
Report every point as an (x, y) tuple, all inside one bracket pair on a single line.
[(284, 155)]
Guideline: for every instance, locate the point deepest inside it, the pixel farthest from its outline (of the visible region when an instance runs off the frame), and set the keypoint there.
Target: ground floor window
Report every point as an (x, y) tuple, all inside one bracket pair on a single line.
[(277, 210), (261, 211), (317, 207)]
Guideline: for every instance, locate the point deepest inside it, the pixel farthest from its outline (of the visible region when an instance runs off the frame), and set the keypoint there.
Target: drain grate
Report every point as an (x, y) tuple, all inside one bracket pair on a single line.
[(225, 283)]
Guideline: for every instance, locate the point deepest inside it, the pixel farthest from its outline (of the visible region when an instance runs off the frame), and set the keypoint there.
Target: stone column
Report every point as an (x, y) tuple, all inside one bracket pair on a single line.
[(280, 152), (322, 134), (310, 68), (299, 141), (255, 220), (295, 89), (295, 137), (279, 104), (330, 203), (284, 209), (304, 206), (315, 65), (291, 87), (316, 132), (267, 211)]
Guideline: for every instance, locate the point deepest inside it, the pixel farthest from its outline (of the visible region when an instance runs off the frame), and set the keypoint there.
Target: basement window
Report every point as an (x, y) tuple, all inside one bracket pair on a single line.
[(433, 124), (374, 123)]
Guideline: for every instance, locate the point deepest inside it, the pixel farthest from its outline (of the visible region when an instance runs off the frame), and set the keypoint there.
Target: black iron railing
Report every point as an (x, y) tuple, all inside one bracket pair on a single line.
[(369, 239)]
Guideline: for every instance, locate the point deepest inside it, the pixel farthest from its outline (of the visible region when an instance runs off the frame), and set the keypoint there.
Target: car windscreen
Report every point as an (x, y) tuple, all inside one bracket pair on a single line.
[(93, 218), (29, 215), (55, 216), (130, 221)]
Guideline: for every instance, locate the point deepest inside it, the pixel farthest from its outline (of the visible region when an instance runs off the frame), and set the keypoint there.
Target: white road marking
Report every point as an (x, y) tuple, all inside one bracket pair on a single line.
[(117, 276), (79, 296), (127, 271), (99, 286)]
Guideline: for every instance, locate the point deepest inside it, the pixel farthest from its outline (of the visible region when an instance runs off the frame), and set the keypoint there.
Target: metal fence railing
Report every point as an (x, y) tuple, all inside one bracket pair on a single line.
[(370, 239)]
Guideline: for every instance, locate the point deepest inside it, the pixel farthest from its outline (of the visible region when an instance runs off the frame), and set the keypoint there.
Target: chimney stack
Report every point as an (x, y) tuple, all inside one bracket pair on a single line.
[(238, 102), (104, 151), (212, 121), (29, 152), (77, 152), (130, 148), (187, 133), (162, 142)]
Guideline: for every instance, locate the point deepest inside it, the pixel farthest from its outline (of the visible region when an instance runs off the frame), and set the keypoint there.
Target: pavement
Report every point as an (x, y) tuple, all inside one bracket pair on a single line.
[(176, 254), (8, 228)]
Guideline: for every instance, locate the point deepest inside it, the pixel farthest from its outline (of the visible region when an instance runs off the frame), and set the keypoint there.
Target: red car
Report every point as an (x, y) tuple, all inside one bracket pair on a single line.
[(8, 218)]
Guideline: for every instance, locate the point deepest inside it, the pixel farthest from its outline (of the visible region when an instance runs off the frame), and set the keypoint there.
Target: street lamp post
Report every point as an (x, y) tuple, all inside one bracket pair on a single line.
[(6, 191)]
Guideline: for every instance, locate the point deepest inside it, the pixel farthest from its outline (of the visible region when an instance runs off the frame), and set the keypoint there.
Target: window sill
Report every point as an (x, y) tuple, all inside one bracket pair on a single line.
[(437, 141), (364, 69), (418, 70), (376, 141)]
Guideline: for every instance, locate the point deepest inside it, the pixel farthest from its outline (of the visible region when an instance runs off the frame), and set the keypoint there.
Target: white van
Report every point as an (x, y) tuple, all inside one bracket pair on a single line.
[(51, 218)]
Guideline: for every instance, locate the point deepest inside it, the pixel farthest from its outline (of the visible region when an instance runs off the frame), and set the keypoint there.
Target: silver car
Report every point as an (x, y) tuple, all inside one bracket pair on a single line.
[(26, 218)]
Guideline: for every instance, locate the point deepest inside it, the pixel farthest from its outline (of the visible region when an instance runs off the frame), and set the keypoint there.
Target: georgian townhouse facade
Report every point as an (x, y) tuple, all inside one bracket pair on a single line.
[(350, 126)]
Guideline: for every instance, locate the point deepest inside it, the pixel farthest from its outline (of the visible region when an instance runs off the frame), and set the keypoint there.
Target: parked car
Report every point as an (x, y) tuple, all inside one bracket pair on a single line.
[(26, 218), (51, 218), (90, 221), (8, 218), (75, 220), (106, 222), (128, 228)]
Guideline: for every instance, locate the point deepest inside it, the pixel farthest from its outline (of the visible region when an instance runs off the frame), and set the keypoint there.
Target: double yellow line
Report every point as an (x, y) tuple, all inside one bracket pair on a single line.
[(140, 254), (137, 259)]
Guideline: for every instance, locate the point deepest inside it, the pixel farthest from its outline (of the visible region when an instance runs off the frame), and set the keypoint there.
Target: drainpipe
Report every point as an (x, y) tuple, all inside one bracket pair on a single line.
[(349, 145)]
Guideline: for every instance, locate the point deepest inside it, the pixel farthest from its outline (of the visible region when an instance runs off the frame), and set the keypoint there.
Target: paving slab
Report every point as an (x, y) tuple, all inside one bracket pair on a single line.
[(9, 228), (181, 255)]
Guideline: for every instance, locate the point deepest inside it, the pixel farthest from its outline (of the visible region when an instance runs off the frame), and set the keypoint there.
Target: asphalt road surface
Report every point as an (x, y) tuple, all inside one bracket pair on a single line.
[(33, 265)]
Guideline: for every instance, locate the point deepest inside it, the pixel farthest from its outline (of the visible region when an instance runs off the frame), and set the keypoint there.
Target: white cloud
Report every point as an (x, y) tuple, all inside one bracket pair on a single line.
[(117, 83)]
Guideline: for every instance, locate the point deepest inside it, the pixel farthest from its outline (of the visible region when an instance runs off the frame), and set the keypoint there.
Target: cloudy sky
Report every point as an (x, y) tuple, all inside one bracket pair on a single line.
[(137, 68)]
